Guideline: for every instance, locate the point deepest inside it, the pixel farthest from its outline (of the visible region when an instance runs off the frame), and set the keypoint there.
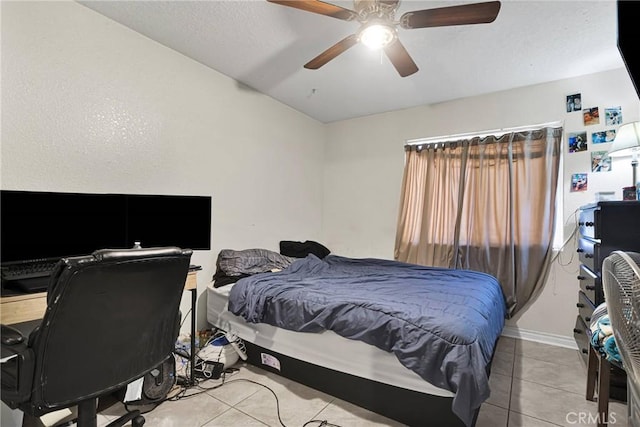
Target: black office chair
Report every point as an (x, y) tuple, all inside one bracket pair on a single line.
[(111, 317)]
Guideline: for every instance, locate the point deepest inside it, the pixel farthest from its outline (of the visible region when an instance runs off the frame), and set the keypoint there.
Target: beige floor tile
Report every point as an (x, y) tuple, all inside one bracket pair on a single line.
[(549, 353), (502, 363), (118, 409), (547, 403), (103, 421), (232, 418), (347, 414), (492, 416), (243, 384), (521, 420), (194, 411), (500, 390), (297, 404), (506, 345), (571, 378), (234, 391), (618, 414), (106, 416)]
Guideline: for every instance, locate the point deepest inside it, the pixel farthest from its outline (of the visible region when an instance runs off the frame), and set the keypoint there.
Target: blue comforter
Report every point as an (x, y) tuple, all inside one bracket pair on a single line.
[(440, 323)]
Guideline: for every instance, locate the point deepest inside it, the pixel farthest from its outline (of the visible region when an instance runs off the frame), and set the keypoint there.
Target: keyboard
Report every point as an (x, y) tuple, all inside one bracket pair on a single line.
[(27, 269)]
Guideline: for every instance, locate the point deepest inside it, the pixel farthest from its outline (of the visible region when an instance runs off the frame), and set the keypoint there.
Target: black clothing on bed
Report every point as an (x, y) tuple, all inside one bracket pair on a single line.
[(221, 279), (302, 249)]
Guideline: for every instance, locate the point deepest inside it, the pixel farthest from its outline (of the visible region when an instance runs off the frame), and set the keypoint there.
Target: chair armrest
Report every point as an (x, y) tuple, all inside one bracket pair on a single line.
[(17, 367), (10, 336)]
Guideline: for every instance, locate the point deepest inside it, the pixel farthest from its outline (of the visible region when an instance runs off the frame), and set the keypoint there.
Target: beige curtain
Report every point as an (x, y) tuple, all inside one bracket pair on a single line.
[(483, 204)]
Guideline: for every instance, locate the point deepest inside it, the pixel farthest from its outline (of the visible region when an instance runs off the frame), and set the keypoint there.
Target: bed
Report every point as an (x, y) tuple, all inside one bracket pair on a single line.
[(410, 342)]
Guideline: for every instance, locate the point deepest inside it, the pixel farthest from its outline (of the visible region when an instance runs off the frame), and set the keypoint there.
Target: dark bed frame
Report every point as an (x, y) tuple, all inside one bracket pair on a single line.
[(406, 406)]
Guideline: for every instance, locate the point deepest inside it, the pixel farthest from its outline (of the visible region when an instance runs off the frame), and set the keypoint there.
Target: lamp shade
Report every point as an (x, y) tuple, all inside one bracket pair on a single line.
[(627, 140)]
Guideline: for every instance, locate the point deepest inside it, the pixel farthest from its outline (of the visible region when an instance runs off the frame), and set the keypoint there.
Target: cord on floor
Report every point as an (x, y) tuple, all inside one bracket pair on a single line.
[(182, 394)]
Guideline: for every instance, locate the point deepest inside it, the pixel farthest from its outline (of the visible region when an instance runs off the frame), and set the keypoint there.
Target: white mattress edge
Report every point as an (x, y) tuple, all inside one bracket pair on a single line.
[(348, 356)]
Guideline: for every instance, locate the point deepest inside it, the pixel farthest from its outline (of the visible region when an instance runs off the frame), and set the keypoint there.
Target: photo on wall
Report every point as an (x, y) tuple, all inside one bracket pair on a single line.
[(577, 141), (578, 182), (613, 116), (574, 102), (591, 116), (600, 162), (603, 136)]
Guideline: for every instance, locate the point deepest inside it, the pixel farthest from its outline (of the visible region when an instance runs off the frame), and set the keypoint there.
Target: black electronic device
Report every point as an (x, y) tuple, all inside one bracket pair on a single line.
[(44, 225), (28, 270), (161, 220), (209, 370), (628, 35), (27, 286)]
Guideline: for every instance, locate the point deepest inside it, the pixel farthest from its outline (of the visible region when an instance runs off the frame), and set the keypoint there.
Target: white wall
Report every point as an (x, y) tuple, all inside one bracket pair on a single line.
[(364, 164), (91, 106)]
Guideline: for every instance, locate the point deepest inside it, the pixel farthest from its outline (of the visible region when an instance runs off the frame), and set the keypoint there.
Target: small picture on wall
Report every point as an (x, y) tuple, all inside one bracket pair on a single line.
[(613, 116), (574, 102), (578, 182), (603, 136), (600, 162), (577, 142), (591, 116)]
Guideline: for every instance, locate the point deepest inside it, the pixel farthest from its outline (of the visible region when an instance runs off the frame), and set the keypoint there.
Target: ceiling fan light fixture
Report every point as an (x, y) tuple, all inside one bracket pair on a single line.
[(378, 25), (377, 35)]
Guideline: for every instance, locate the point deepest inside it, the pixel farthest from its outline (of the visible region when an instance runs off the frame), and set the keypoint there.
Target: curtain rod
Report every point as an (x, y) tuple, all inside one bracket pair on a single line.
[(481, 134)]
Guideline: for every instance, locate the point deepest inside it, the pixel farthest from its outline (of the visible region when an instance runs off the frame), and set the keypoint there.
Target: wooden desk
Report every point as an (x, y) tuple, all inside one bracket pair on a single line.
[(23, 308)]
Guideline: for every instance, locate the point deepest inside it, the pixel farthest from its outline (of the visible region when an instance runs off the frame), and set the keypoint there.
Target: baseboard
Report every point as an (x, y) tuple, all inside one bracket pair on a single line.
[(541, 337)]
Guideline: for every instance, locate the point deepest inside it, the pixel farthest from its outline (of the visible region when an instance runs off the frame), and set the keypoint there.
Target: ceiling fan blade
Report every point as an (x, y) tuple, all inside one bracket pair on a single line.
[(319, 7), (332, 52), (475, 13), (400, 59)]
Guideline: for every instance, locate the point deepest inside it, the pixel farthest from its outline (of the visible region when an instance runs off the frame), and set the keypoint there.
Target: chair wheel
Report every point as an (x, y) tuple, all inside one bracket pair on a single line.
[(138, 421)]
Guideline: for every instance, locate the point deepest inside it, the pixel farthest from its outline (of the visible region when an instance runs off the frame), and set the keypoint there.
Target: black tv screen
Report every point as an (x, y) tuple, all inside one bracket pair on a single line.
[(44, 225), (39, 225), (183, 221), (628, 36)]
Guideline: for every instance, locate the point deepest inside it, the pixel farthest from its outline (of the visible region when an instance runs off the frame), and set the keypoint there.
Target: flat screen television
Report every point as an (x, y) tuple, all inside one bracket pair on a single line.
[(628, 36), (183, 221), (49, 225)]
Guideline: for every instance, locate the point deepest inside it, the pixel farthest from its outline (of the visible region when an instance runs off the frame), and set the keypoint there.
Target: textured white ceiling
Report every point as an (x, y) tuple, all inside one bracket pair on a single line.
[(264, 46)]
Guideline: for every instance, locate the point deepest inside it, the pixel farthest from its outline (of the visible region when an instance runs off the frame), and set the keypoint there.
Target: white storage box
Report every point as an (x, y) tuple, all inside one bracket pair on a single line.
[(605, 196)]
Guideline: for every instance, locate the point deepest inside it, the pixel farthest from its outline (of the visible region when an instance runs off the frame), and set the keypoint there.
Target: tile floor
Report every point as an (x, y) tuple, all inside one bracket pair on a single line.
[(533, 385)]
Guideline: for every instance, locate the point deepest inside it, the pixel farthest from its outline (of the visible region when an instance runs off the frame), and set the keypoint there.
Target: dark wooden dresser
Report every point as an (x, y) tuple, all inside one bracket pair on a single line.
[(603, 228)]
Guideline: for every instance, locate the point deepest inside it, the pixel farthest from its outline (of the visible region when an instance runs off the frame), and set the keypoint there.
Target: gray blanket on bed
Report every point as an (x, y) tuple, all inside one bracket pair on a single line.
[(442, 324)]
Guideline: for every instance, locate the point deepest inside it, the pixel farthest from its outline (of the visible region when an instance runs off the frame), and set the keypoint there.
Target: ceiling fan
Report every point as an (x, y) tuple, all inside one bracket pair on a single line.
[(378, 25)]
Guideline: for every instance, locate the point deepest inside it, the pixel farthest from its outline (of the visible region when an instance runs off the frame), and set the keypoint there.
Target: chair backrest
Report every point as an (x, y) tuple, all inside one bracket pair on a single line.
[(111, 317)]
